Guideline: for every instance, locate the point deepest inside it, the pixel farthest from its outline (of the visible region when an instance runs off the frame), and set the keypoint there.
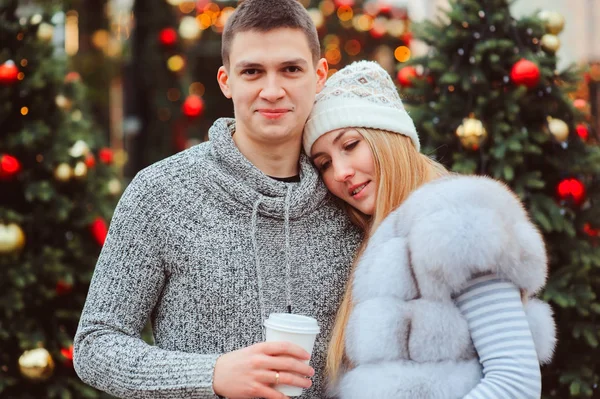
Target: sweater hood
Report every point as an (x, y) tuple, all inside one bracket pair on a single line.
[(249, 186)]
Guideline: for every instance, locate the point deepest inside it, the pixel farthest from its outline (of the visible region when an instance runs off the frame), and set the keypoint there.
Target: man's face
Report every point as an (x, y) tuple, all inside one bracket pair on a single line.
[(272, 81)]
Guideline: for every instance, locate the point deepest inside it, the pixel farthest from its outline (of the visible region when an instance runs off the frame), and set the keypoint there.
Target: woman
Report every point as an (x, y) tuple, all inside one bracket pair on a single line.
[(440, 302)]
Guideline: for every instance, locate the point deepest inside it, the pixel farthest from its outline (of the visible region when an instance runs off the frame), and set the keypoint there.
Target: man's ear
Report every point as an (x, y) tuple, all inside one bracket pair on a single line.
[(223, 79), (322, 70)]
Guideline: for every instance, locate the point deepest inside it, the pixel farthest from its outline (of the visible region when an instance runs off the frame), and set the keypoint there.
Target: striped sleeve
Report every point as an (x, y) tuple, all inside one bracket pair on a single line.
[(502, 338)]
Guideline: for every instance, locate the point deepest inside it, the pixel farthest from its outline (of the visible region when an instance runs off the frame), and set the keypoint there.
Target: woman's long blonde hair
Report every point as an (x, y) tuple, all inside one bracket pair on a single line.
[(399, 170)]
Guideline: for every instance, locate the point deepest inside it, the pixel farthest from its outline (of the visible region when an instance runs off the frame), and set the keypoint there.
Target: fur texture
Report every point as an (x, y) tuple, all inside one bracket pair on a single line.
[(405, 335), (410, 380)]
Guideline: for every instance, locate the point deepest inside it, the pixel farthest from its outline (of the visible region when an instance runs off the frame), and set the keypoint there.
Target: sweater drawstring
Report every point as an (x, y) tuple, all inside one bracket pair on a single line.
[(257, 264), (288, 290)]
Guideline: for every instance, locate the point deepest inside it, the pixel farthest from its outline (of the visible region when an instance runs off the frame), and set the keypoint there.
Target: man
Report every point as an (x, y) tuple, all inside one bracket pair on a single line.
[(207, 243)]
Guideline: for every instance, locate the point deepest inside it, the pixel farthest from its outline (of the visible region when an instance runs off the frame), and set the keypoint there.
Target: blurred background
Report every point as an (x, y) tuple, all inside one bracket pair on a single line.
[(93, 91)]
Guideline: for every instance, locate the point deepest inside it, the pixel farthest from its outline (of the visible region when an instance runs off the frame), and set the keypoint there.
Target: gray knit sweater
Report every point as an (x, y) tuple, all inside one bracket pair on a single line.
[(205, 246)]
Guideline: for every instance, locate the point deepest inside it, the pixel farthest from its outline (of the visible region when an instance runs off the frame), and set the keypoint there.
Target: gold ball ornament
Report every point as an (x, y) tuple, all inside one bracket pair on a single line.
[(471, 133), (36, 19), (36, 365), (76, 116), (79, 149), (189, 28), (63, 102), (114, 187), (558, 129), (317, 17), (80, 170), (12, 238), (553, 21), (550, 43), (63, 172), (45, 31)]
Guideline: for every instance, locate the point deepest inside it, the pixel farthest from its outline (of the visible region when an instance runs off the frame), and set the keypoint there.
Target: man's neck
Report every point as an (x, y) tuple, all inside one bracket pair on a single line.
[(275, 160)]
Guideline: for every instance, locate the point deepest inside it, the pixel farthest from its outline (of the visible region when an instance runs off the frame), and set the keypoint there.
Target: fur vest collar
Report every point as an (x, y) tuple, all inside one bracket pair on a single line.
[(405, 336)]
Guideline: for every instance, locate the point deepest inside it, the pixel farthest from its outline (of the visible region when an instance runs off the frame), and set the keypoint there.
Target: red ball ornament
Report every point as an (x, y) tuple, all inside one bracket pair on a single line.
[(8, 73), (407, 38), (384, 7), (405, 75), (105, 155), (193, 106), (72, 77), (63, 288), (167, 37), (99, 230), (590, 231), (582, 131), (571, 190), (580, 104), (67, 354), (340, 3), (90, 161), (9, 167), (525, 73), (377, 33)]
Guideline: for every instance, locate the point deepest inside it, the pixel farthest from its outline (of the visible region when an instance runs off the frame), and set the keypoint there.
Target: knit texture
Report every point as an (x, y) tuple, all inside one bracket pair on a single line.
[(361, 94), (205, 246)]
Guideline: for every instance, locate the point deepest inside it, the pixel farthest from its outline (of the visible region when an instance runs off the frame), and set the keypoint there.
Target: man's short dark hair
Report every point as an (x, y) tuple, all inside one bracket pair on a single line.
[(267, 15)]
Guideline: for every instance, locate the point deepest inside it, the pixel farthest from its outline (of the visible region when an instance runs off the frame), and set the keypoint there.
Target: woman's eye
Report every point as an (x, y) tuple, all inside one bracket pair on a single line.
[(324, 166), (351, 145)]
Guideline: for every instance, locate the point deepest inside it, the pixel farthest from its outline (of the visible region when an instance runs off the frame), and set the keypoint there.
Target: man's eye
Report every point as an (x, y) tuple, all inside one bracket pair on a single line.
[(293, 69), (250, 72)]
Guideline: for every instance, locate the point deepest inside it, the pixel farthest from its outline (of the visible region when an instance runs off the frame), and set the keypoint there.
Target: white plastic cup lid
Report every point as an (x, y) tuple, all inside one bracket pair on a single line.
[(293, 323)]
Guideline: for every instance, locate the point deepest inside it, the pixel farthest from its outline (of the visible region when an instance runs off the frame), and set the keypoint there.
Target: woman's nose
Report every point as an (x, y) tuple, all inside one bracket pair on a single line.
[(343, 172)]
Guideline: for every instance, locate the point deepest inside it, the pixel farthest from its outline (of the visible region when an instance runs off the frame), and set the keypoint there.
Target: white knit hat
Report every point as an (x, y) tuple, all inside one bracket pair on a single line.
[(361, 94)]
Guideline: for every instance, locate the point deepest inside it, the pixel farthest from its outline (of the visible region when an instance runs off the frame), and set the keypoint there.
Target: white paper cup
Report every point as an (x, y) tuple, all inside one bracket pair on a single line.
[(297, 329)]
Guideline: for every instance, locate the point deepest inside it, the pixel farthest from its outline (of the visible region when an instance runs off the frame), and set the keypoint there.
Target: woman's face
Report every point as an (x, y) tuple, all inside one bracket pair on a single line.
[(346, 164)]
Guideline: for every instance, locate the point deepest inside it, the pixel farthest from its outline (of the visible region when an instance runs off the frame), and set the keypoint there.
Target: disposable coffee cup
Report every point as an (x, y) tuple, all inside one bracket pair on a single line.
[(294, 328)]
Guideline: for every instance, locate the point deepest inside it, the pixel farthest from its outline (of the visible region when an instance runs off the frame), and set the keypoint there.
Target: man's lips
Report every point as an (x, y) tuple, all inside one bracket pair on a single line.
[(273, 113)]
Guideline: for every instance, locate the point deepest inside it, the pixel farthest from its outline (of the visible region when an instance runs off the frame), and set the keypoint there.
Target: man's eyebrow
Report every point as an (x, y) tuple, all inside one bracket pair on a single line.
[(336, 139), (247, 64), (250, 64), (295, 61)]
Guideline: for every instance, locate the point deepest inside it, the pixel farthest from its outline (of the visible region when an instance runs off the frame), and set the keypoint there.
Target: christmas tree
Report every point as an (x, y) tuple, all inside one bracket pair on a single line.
[(177, 52), (487, 99), (58, 190)]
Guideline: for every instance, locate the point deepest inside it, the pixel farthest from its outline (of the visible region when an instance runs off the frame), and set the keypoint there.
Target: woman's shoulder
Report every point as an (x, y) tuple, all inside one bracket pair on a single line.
[(457, 189), (459, 226)]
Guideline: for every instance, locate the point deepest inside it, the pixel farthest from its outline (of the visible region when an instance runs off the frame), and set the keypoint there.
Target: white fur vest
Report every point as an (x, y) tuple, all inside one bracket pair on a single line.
[(405, 336)]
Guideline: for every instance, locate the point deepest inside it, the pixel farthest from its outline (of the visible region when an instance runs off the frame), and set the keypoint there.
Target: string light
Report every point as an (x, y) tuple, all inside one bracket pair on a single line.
[(197, 88), (175, 63), (402, 54), (173, 94), (345, 13), (352, 47), (327, 7), (204, 21)]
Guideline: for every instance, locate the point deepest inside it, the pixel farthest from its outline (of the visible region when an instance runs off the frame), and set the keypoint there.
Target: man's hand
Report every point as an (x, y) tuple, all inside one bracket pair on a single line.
[(251, 372)]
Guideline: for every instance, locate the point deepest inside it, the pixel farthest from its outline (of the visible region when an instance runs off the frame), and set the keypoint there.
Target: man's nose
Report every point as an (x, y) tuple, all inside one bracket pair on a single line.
[(272, 90)]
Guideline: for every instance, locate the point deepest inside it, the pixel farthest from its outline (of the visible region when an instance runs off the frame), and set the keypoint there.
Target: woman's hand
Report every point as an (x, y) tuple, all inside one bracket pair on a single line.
[(253, 371)]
